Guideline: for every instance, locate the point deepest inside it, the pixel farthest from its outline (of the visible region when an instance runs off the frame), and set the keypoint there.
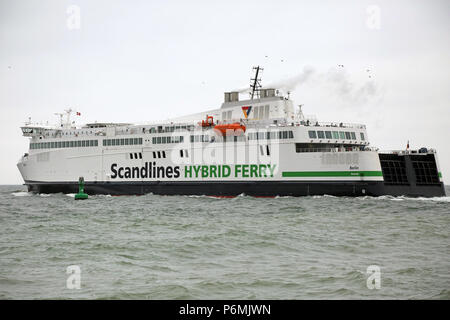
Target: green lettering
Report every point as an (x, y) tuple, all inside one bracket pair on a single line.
[(262, 170), (212, 171), (237, 169), (204, 171), (253, 170), (226, 170), (188, 170), (272, 169), (196, 170), (245, 171)]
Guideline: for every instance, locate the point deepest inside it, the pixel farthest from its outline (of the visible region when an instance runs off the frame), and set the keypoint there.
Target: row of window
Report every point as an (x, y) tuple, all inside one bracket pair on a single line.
[(159, 154), (325, 147), (184, 153), (265, 150), (270, 135), (64, 144), (202, 138), (136, 155), (175, 139), (160, 129), (156, 154), (347, 135), (343, 135), (122, 142)]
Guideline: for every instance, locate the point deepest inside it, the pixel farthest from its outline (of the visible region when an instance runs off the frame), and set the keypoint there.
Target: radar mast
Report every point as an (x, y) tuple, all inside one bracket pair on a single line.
[(255, 83)]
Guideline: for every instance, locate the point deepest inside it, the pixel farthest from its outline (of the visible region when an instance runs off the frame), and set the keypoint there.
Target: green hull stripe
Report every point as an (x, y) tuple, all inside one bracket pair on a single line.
[(332, 174)]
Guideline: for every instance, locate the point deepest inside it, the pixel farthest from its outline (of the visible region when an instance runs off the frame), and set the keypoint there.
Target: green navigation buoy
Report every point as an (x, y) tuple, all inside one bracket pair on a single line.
[(81, 195)]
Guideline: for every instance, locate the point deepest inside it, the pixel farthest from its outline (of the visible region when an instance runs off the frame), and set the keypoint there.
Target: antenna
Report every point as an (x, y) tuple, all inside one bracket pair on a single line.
[(255, 83), (60, 115), (68, 114)]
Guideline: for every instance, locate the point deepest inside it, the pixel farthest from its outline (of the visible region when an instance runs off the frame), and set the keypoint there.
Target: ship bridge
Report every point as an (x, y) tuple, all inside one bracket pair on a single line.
[(30, 130)]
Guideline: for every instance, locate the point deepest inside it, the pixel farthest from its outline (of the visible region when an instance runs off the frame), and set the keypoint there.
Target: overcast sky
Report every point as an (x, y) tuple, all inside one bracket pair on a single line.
[(133, 61)]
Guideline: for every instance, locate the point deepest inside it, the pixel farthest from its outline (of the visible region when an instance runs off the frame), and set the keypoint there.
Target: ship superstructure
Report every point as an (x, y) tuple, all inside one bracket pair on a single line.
[(261, 146)]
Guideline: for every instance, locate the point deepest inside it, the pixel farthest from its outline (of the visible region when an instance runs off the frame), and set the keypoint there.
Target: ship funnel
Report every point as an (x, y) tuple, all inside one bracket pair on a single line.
[(231, 96)]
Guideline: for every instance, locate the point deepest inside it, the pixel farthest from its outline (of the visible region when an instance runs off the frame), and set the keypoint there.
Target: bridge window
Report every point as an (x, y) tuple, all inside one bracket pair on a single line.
[(320, 135), (353, 135), (328, 134), (362, 136), (335, 135), (312, 134), (342, 135), (347, 135)]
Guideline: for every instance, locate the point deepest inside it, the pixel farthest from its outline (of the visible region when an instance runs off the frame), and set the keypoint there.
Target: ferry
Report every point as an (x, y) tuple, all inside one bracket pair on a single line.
[(262, 146)]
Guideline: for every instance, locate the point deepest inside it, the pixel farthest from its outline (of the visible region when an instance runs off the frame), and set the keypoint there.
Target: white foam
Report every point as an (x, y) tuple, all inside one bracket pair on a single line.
[(22, 194), (403, 198), (103, 195), (323, 196), (437, 199)]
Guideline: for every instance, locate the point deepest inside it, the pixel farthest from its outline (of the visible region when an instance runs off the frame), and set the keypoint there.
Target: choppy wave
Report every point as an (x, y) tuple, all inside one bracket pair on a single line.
[(194, 247)]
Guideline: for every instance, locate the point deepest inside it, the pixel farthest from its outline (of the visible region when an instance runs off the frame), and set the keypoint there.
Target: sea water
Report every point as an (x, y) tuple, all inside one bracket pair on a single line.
[(198, 247)]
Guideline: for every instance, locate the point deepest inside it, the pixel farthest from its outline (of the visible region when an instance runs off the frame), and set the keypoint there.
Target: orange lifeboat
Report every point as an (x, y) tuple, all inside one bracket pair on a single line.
[(208, 123), (230, 129)]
